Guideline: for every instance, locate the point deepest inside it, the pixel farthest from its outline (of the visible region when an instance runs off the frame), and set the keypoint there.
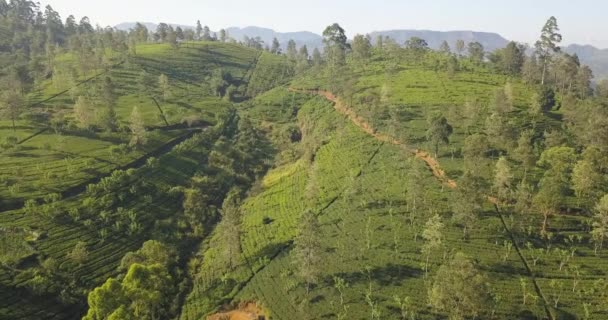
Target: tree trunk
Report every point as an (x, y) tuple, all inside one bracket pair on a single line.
[(544, 71), (545, 222)]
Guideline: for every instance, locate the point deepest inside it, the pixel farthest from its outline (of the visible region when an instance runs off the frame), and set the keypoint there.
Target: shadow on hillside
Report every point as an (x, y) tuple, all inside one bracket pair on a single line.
[(391, 274)]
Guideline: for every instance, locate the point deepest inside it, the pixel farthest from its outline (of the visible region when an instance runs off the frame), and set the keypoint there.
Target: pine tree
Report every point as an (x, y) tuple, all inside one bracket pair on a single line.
[(83, 112), (432, 235), (138, 129), (503, 179)]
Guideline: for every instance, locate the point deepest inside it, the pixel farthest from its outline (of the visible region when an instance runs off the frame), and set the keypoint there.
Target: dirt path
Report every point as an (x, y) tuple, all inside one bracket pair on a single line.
[(360, 122), (247, 311)]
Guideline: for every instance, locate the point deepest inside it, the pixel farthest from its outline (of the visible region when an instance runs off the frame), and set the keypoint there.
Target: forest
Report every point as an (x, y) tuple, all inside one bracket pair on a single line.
[(179, 173)]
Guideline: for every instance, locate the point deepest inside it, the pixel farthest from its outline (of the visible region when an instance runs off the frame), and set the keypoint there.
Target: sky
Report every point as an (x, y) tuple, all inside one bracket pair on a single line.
[(581, 21)]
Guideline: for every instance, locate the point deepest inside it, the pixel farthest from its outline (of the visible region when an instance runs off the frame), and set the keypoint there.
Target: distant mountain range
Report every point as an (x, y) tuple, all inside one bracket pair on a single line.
[(595, 58)]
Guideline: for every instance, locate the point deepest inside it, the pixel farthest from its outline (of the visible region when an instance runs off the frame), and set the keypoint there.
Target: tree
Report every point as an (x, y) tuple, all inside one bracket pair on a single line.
[(432, 235), (83, 112), (164, 87), (105, 300), (445, 48), (558, 162), (276, 46), (162, 30), (140, 32), (510, 59), (206, 33), (79, 253), (317, 59), (11, 105), (601, 89), (502, 179), (335, 41), (531, 70), (460, 47), (146, 81), (307, 248), (548, 44), (464, 212), (417, 46), (439, 131), (107, 118), (223, 35), (459, 289), (474, 151), (292, 50), (144, 293), (525, 150), (583, 82), (172, 38), (600, 223), (179, 33), (586, 179), (502, 103), (199, 30), (476, 51), (138, 129), (361, 47)]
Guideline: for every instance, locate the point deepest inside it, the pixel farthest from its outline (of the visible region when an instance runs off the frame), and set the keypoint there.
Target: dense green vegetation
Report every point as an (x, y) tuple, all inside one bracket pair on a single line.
[(175, 173)]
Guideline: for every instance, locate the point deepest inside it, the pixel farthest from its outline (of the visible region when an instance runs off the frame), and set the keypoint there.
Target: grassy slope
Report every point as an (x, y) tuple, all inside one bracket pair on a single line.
[(189, 67), (394, 260), (51, 162)]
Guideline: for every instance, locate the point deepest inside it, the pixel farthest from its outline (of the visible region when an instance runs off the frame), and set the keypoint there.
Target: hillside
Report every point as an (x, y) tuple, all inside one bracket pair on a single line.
[(151, 174)]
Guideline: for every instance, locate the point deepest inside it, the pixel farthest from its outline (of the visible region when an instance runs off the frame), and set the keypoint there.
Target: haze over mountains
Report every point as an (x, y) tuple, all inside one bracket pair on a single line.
[(594, 57)]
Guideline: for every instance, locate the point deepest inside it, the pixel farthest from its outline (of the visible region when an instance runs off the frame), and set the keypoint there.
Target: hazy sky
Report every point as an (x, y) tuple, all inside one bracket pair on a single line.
[(581, 21)]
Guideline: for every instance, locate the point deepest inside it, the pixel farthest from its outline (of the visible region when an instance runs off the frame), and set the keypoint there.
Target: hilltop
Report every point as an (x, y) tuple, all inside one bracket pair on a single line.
[(594, 57)]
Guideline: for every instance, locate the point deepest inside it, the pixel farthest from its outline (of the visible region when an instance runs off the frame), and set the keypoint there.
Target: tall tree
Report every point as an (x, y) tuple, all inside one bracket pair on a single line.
[(199, 30), (336, 44), (439, 131), (548, 44), (476, 51), (361, 47), (292, 50), (317, 59), (164, 86), (308, 248), (83, 112), (417, 47), (223, 35), (206, 33), (460, 46), (503, 179), (558, 162), (510, 59), (276, 46), (138, 129), (600, 223), (432, 235), (11, 105), (445, 48), (141, 32)]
